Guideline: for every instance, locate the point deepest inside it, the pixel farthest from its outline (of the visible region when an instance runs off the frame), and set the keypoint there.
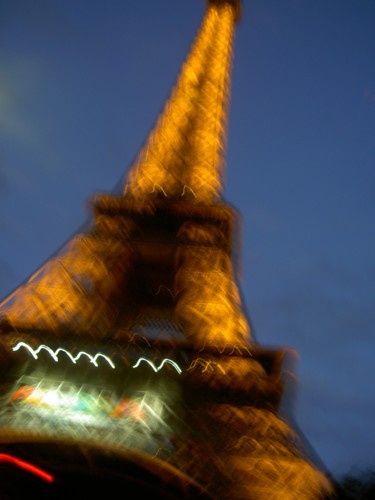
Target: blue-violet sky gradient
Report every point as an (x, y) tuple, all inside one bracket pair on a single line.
[(81, 85)]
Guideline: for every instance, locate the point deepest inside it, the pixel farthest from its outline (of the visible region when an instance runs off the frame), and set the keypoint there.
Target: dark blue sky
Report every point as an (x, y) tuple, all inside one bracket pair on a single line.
[(81, 85)]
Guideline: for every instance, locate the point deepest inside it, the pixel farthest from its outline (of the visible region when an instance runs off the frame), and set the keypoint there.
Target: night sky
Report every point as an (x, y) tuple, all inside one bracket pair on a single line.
[(81, 85)]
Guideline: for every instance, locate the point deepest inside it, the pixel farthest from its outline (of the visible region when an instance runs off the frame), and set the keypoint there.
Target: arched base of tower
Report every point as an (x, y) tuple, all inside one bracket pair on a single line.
[(87, 470)]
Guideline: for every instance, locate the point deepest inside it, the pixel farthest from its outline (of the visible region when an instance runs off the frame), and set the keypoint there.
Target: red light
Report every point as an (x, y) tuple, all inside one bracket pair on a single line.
[(27, 467)]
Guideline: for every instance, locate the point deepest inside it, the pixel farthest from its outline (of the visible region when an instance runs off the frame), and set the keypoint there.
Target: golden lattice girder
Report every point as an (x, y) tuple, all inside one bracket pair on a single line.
[(209, 303), (75, 289), (186, 147)]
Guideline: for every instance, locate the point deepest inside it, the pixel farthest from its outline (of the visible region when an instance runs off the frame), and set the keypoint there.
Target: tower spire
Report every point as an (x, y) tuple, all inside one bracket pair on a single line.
[(236, 4), (185, 150)]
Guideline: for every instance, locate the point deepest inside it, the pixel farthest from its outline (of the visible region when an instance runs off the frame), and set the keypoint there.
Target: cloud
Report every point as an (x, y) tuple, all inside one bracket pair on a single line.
[(17, 130), (369, 95), (26, 30), (3, 179), (17, 79)]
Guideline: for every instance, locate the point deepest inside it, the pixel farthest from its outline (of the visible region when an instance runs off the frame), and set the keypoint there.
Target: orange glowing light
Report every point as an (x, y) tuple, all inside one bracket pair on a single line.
[(128, 408)]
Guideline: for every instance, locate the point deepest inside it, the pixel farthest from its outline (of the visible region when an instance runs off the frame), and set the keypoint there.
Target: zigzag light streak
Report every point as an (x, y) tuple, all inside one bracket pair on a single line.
[(93, 359), (54, 354), (157, 368), (206, 364)]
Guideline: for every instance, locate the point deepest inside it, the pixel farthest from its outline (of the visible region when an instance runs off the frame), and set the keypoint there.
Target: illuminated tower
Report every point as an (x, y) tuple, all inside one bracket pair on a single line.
[(133, 338)]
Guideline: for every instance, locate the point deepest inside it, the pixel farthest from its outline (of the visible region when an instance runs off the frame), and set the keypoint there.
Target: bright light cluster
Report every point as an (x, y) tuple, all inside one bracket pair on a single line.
[(136, 418), (70, 402)]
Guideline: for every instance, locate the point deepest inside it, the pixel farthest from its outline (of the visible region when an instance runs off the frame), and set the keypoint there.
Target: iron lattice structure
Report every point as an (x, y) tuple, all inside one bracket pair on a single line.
[(134, 335)]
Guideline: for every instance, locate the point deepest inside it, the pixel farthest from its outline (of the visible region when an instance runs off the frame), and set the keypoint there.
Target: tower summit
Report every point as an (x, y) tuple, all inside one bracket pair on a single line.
[(131, 342), (186, 147)]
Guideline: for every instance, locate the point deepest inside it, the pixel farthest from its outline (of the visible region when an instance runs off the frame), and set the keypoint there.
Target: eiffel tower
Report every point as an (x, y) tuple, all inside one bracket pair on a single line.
[(132, 338)]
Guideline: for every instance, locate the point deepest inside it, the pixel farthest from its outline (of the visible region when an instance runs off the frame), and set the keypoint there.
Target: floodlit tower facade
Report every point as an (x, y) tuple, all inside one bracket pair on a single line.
[(133, 336)]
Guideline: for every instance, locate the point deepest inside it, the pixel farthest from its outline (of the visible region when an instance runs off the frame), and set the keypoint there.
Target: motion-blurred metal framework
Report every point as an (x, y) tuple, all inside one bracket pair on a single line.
[(149, 279)]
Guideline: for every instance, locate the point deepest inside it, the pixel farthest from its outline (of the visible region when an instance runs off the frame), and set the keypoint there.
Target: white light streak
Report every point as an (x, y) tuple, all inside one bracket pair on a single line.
[(235, 347), (53, 354), (157, 368), (161, 189), (92, 359), (184, 190), (206, 365)]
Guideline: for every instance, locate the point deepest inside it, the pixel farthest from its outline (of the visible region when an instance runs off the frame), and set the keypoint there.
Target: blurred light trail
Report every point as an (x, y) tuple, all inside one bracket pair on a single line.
[(27, 466)]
